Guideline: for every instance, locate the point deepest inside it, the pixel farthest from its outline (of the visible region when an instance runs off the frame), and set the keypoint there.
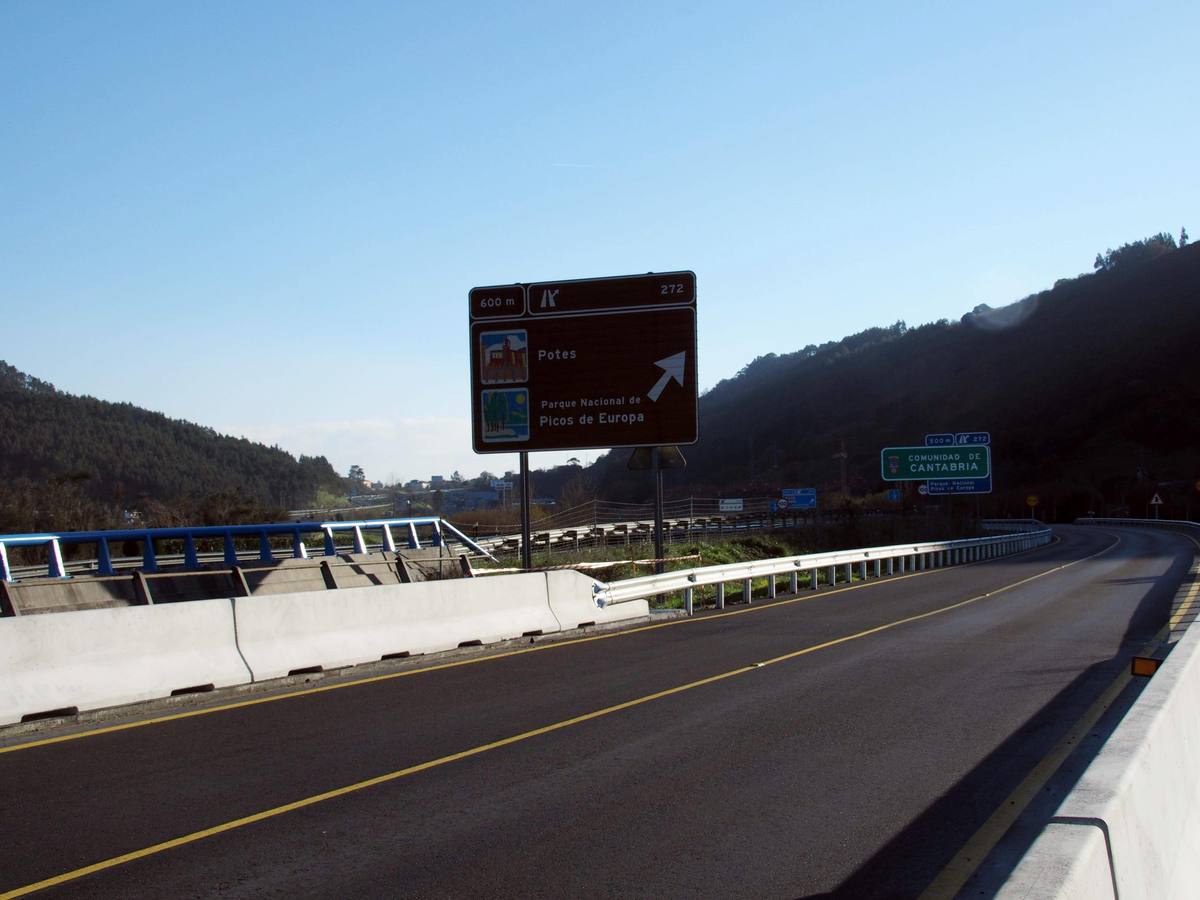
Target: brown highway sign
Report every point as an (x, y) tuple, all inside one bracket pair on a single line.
[(603, 362)]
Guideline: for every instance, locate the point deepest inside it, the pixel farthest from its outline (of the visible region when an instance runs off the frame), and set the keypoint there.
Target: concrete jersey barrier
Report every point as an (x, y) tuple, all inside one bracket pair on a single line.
[(574, 600), (95, 658), (289, 632), (1138, 803)]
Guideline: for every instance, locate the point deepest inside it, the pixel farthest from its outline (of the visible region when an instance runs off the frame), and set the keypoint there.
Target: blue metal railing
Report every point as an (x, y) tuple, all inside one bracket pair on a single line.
[(56, 568)]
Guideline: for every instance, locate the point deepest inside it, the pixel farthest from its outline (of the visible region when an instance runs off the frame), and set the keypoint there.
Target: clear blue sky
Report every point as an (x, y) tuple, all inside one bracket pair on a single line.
[(265, 217)]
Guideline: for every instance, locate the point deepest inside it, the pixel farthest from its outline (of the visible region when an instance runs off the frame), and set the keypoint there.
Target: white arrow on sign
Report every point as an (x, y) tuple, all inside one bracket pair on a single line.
[(1157, 501), (672, 367)]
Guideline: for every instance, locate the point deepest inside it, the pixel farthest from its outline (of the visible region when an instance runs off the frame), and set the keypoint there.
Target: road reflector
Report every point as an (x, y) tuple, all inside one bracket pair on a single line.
[(1144, 666)]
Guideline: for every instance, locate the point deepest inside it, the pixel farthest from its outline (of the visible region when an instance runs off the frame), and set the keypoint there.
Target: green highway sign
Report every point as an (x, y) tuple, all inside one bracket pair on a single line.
[(932, 463)]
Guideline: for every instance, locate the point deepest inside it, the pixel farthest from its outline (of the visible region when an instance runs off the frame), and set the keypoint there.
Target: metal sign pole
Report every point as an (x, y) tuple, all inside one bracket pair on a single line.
[(656, 465), (526, 544)]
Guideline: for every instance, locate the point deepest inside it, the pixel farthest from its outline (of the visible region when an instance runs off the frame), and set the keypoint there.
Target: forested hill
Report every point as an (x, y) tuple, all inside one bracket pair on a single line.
[(64, 456), (1091, 392)]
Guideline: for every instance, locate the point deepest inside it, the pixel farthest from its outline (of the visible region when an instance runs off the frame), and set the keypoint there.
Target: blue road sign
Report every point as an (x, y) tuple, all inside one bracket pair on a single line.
[(800, 498), (972, 437), (957, 438), (959, 486), (894, 495)]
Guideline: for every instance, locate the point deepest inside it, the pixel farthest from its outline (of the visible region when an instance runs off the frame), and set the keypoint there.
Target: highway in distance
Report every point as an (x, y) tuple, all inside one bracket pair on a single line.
[(847, 741)]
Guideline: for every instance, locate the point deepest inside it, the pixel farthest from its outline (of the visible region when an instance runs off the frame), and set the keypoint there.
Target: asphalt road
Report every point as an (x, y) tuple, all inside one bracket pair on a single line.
[(848, 741)]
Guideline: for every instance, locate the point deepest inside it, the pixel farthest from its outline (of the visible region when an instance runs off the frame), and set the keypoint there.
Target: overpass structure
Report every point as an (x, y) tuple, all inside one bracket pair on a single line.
[(859, 733)]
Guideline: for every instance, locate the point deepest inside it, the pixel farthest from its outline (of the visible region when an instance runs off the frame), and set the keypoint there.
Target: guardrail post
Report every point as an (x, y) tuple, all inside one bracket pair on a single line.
[(104, 564), (230, 550), (795, 585), (299, 551), (149, 560), (190, 560), (56, 567), (264, 547), (862, 570), (7, 606), (414, 542), (849, 579), (330, 546), (903, 563), (748, 590), (720, 595), (891, 565), (5, 572), (771, 586), (360, 544), (688, 600), (389, 543), (831, 576), (814, 581)]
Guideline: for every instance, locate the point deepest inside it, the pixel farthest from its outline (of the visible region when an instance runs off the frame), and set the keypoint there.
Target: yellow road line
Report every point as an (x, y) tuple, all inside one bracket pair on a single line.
[(504, 742), (959, 870), (554, 645)]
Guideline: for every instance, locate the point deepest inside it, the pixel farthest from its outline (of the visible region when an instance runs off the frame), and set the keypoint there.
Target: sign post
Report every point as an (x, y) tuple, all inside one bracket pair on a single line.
[(656, 464), (526, 542), (598, 362)]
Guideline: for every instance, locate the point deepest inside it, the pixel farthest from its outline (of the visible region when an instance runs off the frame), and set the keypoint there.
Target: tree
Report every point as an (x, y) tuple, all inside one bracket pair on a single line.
[(356, 473), (1183, 237), (1136, 253), (457, 477)]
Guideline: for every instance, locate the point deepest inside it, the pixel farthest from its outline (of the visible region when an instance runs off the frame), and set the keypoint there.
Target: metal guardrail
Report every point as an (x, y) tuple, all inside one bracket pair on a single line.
[(902, 557), (1010, 525), (1169, 524), (437, 528), (674, 531), (678, 529)]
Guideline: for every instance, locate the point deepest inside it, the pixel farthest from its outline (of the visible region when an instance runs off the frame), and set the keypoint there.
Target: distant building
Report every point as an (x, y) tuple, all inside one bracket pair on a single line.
[(462, 501), (437, 479)]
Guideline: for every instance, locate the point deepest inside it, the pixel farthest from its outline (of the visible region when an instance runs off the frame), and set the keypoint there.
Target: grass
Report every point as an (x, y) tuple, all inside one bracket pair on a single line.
[(846, 535)]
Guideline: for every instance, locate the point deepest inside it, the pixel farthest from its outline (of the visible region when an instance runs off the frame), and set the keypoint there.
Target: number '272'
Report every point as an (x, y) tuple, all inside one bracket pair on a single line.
[(664, 289)]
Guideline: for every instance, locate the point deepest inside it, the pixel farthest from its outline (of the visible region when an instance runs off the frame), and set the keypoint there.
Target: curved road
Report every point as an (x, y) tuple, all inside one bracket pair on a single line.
[(846, 741)]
